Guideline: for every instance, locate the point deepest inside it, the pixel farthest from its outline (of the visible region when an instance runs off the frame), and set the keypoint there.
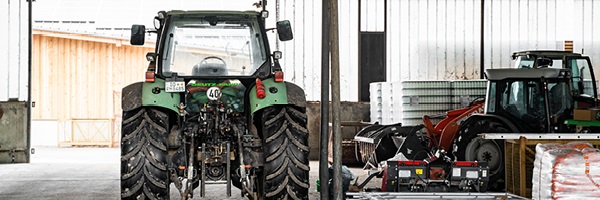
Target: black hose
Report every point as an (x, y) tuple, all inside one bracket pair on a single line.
[(369, 179), (414, 169)]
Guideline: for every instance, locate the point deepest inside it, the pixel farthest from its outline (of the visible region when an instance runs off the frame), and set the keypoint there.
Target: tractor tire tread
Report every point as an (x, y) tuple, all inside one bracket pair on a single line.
[(286, 150), (143, 154)]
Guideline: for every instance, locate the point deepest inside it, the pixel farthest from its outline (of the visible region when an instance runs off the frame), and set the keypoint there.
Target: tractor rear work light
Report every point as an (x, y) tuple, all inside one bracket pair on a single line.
[(278, 76), (150, 76)]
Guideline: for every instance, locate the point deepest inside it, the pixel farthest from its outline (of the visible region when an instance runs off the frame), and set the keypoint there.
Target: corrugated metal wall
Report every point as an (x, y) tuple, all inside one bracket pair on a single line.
[(302, 56), (440, 39), (540, 24), (14, 43), (587, 31), (75, 78), (372, 14), (433, 40), (436, 39)]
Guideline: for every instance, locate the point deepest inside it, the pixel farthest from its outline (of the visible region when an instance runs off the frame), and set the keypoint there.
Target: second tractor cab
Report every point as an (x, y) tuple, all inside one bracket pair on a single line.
[(583, 80), (539, 97)]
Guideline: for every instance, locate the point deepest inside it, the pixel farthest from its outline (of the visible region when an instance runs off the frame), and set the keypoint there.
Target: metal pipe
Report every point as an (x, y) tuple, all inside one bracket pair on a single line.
[(29, 103), (481, 53), (335, 100), (323, 147)]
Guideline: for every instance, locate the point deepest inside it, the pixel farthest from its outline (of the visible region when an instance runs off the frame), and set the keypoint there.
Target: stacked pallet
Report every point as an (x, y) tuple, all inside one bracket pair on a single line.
[(570, 171), (407, 102)]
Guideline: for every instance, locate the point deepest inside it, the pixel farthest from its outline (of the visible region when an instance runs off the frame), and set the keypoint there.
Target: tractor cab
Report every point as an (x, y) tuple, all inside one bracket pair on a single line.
[(534, 100), (212, 56), (583, 80)]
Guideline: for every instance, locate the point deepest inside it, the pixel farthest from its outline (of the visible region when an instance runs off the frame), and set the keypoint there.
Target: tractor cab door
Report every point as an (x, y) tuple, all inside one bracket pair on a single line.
[(520, 101), (14, 82), (560, 103), (584, 82)]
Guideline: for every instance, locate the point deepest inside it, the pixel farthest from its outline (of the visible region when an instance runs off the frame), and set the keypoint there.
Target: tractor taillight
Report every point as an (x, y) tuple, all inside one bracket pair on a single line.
[(260, 89), (279, 76), (150, 76)]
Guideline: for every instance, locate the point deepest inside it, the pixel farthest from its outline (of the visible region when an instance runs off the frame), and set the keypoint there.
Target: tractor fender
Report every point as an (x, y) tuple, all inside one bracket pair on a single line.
[(295, 95), (277, 93), (141, 94), (501, 119)]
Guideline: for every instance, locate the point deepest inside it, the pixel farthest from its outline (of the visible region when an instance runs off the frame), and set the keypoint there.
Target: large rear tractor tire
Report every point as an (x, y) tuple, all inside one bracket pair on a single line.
[(471, 147), (144, 154), (286, 153)]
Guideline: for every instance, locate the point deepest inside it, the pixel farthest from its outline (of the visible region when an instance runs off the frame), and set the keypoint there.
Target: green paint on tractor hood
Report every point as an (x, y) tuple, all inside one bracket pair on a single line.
[(154, 94), (276, 95)]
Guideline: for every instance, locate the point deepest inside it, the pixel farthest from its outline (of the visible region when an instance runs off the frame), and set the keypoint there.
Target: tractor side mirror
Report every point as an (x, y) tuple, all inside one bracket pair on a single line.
[(138, 34), (284, 30)]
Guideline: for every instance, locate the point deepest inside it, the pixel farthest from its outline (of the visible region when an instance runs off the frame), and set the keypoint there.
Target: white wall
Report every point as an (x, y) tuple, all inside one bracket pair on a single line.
[(439, 39), (44, 133), (14, 39), (433, 40), (372, 15), (302, 56), (436, 39), (537, 24)]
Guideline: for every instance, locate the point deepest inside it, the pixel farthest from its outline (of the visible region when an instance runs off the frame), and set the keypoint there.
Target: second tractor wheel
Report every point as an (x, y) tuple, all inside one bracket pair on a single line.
[(286, 149), (471, 147), (144, 155)]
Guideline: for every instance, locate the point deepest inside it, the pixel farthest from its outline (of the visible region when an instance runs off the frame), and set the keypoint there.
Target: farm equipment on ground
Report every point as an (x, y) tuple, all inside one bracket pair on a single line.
[(539, 96), (214, 109)]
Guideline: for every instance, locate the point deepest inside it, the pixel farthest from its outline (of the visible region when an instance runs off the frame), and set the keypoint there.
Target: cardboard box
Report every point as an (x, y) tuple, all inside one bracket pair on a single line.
[(586, 114)]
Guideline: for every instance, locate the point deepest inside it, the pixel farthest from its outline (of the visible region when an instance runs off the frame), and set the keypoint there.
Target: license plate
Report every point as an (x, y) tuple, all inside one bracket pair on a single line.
[(176, 86)]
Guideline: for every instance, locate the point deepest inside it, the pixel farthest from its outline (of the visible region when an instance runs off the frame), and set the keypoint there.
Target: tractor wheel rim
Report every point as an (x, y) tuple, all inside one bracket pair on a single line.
[(490, 153), (484, 151)]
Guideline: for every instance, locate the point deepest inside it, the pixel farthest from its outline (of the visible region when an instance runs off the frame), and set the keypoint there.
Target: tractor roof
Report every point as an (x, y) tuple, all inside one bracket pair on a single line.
[(212, 12), (545, 53), (500, 74)]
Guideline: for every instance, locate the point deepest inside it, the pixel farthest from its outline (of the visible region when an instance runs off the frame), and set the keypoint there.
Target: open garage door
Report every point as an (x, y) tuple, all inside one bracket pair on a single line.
[(14, 81)]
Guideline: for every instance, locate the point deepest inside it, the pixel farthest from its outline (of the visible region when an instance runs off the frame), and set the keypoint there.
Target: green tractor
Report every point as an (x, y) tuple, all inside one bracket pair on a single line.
[(537, 96), (214, 109), (518, 101)]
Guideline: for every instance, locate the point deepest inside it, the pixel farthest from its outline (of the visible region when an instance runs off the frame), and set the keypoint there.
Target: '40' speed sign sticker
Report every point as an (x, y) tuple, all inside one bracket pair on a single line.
[(213, 93)]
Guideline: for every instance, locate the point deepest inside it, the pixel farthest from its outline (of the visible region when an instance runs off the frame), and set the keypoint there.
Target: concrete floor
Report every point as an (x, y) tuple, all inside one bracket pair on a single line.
[(92, 173)]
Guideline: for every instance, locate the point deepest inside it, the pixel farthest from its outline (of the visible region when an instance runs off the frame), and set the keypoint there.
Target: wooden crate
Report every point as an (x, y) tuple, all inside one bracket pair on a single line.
[(519, 167), (519, 159)]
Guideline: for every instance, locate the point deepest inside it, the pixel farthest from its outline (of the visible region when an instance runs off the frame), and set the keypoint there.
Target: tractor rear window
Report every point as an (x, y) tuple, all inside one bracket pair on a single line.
[(213, 46)]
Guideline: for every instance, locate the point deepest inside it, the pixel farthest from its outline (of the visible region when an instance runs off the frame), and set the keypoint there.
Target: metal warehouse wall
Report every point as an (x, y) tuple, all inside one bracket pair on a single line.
[(14, 43), (440, 39), (435, 39), (78, 78), (302, 56), (540, 24)]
